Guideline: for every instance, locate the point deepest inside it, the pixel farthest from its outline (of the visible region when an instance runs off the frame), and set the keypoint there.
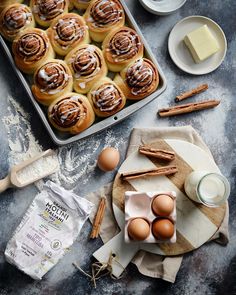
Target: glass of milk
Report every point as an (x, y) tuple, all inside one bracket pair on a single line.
[(210, 189)]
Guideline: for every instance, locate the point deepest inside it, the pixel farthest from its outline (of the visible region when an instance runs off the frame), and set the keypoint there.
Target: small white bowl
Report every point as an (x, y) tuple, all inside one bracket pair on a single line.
[(162, 7)]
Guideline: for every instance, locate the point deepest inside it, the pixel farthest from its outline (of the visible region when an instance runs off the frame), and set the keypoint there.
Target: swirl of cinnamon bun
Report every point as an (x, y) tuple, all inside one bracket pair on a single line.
[(52, 80), (121, 47), (31, 48), (139, 79), (15, 18), (102, 16), (106, 98), (68, 31), (141, 76), (71, 112), (45, 11), (87, 65)]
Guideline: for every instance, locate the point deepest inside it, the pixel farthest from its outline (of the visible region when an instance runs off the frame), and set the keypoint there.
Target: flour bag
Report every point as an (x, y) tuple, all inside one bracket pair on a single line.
[(49, 227)]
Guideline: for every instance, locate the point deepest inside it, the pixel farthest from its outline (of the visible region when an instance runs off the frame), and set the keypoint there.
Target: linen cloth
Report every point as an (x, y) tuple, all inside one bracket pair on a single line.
[(153, 265)]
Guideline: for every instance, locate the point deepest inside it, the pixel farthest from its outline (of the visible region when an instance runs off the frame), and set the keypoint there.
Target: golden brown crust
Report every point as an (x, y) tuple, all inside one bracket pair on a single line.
[(14, 19), (121, 47), (31, 49), (106, 98), (5, 3), (81, 4), (52, 80), (45, 11), (68, 31), (139, 79), (87, 65), (72, 113), (102, 16)]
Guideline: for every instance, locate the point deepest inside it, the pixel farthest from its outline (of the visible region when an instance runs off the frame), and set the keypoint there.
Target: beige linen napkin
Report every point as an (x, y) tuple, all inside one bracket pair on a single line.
[(149, 264)]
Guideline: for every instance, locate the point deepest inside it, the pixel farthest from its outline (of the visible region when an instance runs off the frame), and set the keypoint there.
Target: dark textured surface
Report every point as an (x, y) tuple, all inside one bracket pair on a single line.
[(209, 270)]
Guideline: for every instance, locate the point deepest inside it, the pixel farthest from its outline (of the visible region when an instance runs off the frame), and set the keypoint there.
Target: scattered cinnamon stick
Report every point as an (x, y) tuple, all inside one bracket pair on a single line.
[(191, 92), (167, 170), (98, 218), (157, 153), (188, 108)]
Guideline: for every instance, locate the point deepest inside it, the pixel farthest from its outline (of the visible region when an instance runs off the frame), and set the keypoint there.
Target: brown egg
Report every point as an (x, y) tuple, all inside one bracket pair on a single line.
[(163, 229), (163, 205), (108, 159), (138, 229)]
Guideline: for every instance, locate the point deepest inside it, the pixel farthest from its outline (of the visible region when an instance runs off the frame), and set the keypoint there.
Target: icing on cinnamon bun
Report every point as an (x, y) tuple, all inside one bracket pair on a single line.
[(87, 65), (14, 19), (68, 31), (46, 10), (121, 47)]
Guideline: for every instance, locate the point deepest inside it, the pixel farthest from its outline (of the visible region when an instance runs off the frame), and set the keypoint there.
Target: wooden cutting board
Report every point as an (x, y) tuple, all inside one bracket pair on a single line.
[(195, 224)]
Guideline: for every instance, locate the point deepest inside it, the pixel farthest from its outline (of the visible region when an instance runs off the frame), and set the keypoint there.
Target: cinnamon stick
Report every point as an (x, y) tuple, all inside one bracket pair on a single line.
[(191, 92), (188, 108), (157, 153), (98, 218), (167, 170)]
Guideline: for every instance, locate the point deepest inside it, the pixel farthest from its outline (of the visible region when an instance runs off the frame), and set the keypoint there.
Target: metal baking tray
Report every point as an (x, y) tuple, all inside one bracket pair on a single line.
[(62, 138)]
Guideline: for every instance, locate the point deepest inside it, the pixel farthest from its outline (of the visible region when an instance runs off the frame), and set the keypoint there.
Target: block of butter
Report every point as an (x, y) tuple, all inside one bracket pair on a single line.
[(201, 43)]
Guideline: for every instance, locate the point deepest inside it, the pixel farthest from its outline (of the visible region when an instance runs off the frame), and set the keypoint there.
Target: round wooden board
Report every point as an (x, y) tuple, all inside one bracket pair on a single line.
[(195, 223)]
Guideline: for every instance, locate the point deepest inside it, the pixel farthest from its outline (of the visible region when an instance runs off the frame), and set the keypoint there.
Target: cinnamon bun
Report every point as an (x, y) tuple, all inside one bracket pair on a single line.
[(71, 113), (45, 11), (31, 48), (67, 31), (5, 3), (121, 47), (106, 98), (15, 18), (138, 80), (52, 80), (102, 16), (87, 65), (81, 4)]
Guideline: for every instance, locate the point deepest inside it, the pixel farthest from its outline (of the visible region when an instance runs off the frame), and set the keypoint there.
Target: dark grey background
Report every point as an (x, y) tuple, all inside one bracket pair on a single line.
[(209, 270)]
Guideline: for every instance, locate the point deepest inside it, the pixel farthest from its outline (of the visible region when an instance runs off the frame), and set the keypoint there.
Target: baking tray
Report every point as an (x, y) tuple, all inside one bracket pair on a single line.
[(63, 138)]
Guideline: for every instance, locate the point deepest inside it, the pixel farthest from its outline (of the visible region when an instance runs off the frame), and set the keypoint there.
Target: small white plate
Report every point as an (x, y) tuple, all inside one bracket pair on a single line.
[(162, 7), (180, 54)]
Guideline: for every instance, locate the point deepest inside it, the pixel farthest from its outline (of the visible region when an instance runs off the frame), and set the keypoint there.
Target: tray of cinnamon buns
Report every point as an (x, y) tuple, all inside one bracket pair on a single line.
[(85, 64)]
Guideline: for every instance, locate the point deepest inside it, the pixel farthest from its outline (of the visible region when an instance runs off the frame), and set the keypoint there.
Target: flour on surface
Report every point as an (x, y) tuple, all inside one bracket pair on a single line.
[(77, 161)]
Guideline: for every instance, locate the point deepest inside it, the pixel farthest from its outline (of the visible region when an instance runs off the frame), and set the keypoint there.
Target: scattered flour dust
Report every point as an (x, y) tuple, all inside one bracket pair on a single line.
[(76, 166), (76, 161)]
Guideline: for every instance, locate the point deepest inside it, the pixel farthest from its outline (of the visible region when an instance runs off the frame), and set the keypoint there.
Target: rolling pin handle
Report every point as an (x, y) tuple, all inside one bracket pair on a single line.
[(5, 184)]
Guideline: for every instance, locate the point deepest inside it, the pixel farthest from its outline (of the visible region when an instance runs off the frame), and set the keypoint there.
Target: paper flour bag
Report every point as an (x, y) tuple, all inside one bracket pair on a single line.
[(48, 228)]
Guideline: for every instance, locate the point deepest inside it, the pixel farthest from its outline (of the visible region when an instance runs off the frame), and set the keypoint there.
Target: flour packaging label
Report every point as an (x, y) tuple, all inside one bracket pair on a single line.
[(49, 227)]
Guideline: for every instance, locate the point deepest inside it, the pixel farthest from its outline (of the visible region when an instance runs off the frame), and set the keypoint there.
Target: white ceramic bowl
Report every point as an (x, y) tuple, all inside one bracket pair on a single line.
[(162, 7)]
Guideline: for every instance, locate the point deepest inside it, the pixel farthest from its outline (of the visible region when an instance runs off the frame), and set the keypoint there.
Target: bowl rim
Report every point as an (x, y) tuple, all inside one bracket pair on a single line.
[(157, 10)]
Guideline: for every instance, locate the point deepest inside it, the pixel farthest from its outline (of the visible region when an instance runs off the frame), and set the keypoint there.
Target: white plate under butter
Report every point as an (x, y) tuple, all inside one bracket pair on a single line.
[(180, 54)]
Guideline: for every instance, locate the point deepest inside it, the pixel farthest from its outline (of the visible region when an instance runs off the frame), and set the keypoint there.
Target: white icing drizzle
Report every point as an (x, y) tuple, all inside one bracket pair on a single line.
[(76, 30), (36, 50), (127, 47), (52, 82), (75, 107), (51, 10), (101, 16), (105, 98), (14, 15), (91, 61), (137, 74)]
